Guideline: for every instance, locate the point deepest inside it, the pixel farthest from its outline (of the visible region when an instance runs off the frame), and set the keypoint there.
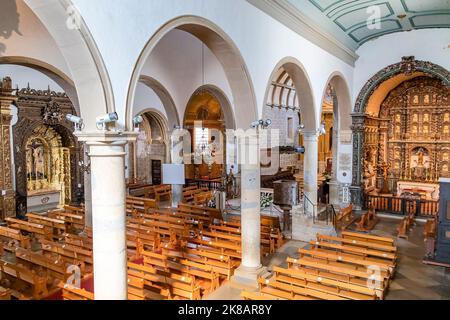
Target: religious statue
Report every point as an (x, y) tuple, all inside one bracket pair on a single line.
[(385, 167)]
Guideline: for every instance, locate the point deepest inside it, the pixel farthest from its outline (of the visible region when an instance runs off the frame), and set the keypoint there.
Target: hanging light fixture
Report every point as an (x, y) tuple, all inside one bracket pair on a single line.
[(201, 90)]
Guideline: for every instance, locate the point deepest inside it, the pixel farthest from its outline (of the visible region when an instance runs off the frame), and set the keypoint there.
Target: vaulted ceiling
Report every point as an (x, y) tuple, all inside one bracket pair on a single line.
[(355, 18), (348, 24)]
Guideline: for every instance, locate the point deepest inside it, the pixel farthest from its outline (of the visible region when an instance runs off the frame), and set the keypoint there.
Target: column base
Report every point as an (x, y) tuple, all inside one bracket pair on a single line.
[(248, 277)]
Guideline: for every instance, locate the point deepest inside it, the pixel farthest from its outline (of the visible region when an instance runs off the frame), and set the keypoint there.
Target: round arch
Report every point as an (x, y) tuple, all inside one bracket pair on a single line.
[(397, 73), (165, 97), (50, 71), (72, 36), (160, 119), (226, 52), (302, 84), (225, 103), (343, 102)]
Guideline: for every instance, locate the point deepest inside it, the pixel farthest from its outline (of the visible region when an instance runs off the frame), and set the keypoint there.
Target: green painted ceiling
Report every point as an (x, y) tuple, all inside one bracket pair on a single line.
[(348, 20)]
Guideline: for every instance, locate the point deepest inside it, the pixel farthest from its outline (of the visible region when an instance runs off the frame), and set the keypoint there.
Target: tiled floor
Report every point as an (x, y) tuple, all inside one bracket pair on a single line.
[(413, 280)]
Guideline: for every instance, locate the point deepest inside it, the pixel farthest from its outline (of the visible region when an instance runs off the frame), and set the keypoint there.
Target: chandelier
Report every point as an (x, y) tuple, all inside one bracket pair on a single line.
[(204, 151)]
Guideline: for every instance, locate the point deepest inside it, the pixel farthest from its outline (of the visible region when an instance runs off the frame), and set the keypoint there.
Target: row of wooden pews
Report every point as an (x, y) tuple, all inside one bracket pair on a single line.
[(351, 267), (42, 251)]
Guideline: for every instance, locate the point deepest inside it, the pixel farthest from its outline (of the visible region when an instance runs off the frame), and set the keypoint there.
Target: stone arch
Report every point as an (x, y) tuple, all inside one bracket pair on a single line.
[(407, 69), (304, 98), (50, 71), (72, 36), (165, 97), (226, 52)]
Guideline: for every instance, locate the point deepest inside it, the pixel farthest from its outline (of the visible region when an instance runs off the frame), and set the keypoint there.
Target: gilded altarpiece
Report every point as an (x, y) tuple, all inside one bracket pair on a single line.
[(7, 197), (410, 140), (46, 152)]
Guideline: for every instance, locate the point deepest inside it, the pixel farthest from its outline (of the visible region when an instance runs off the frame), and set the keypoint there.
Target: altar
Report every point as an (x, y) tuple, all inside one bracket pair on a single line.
[(43, 200), (428, 191)]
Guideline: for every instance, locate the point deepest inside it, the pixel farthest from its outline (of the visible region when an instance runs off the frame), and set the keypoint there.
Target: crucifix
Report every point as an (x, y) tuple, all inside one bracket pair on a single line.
[(385, 166)]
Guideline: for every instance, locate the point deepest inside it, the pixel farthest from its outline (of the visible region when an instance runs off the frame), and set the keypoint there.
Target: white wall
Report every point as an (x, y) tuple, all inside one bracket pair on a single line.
[(34, 41), (427, 44), (146, 98), (21, 76), (263, 41)]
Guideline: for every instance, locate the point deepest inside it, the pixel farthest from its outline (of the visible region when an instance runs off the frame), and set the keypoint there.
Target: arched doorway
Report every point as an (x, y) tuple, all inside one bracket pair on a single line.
[(206, 120), (150, 150), (289, 88), (399, 120)]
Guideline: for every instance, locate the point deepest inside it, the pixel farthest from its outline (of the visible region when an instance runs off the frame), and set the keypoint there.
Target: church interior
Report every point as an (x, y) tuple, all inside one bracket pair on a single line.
[(224, 150)]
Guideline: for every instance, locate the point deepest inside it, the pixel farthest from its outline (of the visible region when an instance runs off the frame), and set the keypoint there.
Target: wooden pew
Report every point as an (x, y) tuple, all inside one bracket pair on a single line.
[(212, 213), (75, 221), (58, 226), (345, 218), (329, 286), (254, 296), (211, 280), (54, 267), (358, 243), (38, 230), (5, 294), (37, 283), (70, 292), (333, 256), (163, 192), (388, 257), (368, 221), (69, 253), (368, 238), (342, 273), (141, 204), (159, 284), (292, 289), (14, 238)]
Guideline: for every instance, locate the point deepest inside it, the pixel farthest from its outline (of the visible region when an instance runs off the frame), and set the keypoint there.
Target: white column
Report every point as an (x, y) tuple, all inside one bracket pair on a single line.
[(251, 267), (107, 153), (311, 167)]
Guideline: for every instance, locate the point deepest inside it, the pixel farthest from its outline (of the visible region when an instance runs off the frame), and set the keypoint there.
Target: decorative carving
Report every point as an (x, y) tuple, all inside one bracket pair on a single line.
[(408, 65), (52, 113)]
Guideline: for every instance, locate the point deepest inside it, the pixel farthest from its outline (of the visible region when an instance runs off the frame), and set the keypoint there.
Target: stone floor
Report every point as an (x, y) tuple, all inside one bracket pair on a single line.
[(413, 280)]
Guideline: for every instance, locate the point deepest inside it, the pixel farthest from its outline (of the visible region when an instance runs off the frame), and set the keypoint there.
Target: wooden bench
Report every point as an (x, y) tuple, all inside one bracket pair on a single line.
[(167, 285), (38, 230), (185, 267), (14, 239), (329, 286), (54, 267), (141, 204), (76, 221), (387, 257), (254, 296), (38, 284), (58, 226), (70, 254), (345, 218), (368, 221), (5, 294), (342, 273), (405, 226), (333, 256), (358, 243), (163, 192), (368, 238), (70, 292)]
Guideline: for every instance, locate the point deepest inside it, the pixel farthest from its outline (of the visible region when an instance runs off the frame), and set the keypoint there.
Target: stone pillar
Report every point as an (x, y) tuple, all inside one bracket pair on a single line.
[(356, 189), (107, 153), (7, 194), (310, 141), (87, 194), (251, 267)]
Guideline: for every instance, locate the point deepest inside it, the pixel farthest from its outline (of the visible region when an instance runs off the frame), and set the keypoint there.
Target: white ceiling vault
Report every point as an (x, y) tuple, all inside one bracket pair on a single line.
[(348, 24)]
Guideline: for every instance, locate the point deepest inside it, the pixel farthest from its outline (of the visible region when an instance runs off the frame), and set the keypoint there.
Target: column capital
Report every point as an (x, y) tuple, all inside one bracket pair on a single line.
[(310, 136), (106, 137)]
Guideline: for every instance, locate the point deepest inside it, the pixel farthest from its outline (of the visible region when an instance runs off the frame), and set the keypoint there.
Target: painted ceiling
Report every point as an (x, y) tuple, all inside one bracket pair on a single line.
[(352, 21)]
